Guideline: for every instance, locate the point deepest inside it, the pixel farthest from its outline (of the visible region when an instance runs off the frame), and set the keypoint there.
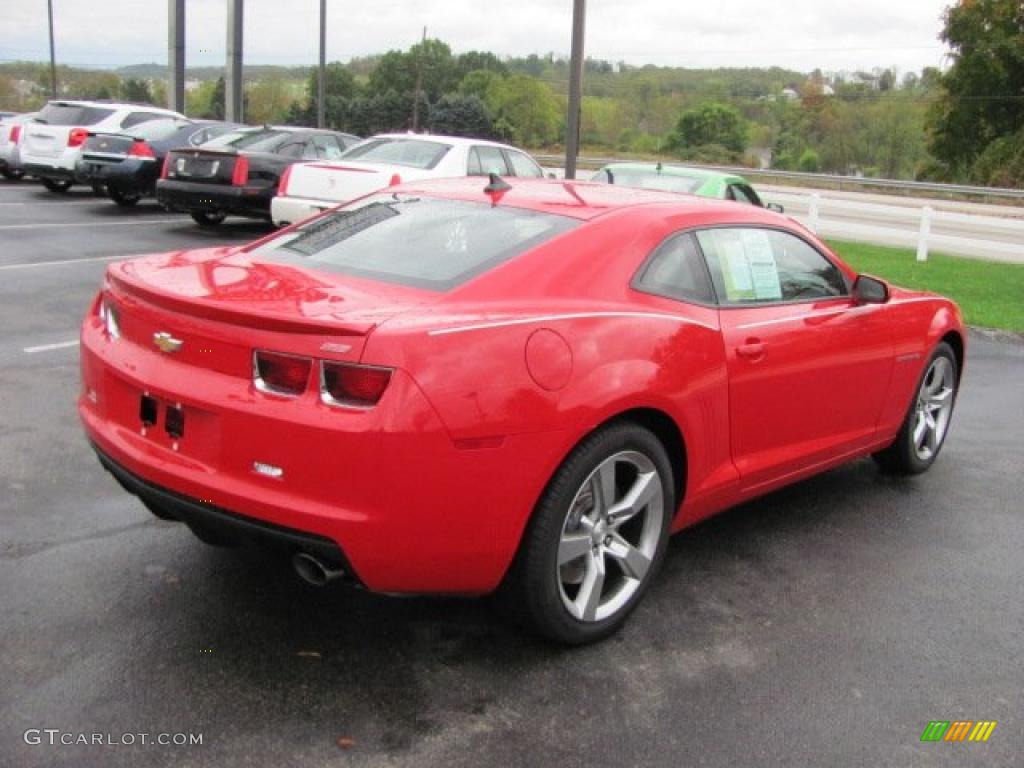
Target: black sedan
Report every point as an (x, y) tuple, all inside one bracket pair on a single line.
[(128, 163), (238, 173)]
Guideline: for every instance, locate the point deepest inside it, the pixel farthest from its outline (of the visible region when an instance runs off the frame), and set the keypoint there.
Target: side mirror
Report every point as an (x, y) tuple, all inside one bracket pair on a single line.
[(775, 207), (870, 290)]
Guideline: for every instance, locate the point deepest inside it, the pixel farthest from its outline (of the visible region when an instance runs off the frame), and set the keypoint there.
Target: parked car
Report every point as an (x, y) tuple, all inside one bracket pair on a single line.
[(308, 188), (128, 163), (53, 140), (12, 129), (678, 178), (451, 388), (238, 173)]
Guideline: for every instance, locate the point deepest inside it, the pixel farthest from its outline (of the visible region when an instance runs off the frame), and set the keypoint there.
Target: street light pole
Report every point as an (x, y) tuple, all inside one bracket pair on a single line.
[(321, 84), (233, 84), (53, 57), (176, 55), (572, 139)]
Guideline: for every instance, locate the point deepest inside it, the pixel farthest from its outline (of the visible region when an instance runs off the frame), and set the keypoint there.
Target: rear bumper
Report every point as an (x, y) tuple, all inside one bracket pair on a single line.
[(131, 173), (41, 171), (225, 523), (412, 511), (289, 210), (194, 197)]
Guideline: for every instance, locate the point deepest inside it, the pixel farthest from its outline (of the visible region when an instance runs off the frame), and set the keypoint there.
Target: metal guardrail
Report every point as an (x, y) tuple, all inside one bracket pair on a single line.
[(819, 179)]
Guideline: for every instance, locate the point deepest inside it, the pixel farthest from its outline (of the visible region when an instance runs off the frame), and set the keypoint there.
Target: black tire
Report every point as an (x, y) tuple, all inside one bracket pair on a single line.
[(12, 175), (905, 456), (58, 186), (124, 198), (99, 188), (208, 218), (535, 591)]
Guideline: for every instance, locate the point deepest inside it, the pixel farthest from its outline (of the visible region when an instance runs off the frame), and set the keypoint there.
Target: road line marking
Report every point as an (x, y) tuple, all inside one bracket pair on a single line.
[(30, 265), (50, 347), (44, 225)]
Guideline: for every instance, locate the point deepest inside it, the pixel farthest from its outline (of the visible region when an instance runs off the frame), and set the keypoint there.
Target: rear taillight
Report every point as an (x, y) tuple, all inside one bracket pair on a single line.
[(109, 317), (352, 386), (77, 137), (166, 168), (241, 173), (15, 134), (141, 149), (282, 187), (395, 180), (280, 374)]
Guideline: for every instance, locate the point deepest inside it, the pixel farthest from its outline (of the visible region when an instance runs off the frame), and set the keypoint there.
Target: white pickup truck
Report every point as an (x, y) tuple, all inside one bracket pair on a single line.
[(309, 188)]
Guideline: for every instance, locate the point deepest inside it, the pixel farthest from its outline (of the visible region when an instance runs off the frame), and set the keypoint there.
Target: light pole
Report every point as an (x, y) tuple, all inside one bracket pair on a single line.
[(321, 84), (53, 57), (176, 55), (572, 139)]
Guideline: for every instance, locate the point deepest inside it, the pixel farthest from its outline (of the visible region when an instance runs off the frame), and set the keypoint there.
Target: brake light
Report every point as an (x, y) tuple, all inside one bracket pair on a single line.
[(282, 187), (280, 374), (141, 149), (77, 137), (395, 180), (15, 134), (353, 386), (241, 173), (166, 169)]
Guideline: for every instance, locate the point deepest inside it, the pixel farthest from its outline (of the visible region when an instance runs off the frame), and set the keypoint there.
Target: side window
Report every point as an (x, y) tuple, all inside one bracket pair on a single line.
[(134, 118), (753, 265), (485, 160), (292, 149), (523, 165), (326, 147), (741, 194), (676, 270)]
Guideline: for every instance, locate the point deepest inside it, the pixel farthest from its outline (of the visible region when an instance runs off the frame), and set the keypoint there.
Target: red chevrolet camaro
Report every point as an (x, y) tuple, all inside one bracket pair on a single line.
[(521, 387)]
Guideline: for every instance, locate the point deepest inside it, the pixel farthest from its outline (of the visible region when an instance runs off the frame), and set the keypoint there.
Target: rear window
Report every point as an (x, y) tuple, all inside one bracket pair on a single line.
[(649, 180), (72, 114), (413, 153), (261, 140), (155, 130), (419, 242)]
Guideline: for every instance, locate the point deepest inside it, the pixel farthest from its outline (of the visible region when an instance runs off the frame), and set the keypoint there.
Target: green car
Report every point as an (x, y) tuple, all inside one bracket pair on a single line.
[(679, 178)]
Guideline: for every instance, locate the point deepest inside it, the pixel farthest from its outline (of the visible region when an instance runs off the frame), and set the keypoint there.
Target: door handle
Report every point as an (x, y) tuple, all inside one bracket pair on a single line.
[(752, 349)]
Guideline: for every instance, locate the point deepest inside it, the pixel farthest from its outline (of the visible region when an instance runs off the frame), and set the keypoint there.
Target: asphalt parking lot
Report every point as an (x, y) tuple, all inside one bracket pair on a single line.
[(825, 625)]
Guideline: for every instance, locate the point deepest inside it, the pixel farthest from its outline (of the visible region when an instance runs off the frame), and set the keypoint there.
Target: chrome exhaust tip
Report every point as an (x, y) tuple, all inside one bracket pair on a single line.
[(313, 571)]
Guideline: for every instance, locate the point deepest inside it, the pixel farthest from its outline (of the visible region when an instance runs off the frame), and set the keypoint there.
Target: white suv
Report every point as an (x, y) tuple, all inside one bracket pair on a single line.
[(52, 142)]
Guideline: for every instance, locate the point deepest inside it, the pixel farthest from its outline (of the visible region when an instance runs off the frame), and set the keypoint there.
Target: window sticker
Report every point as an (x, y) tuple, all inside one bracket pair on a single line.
[(739, 284), (764, 274)]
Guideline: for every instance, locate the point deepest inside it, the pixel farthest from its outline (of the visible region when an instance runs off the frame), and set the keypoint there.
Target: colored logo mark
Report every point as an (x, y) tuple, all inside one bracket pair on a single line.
[(958, 730)]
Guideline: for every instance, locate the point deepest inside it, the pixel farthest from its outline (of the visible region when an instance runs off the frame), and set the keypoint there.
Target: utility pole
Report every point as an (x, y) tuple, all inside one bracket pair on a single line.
[(572, 138), (233, 106), (176, 55), (53, 57), (419, 84), (321, 83)]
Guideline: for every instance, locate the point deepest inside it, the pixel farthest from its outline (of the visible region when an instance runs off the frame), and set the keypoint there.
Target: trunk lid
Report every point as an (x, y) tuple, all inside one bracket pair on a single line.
[(111, 147), (221, 304), (205, 166), (341, 181)]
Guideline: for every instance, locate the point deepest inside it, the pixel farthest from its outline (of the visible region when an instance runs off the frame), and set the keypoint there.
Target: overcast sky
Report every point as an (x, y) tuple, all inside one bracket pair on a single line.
[(802, 34)]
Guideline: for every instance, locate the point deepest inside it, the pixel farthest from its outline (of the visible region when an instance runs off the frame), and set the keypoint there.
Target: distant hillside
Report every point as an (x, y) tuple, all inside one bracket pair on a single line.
[(250, 72)]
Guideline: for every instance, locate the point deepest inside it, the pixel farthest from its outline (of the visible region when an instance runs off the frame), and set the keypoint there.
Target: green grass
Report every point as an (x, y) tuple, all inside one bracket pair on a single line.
[(989, 293)]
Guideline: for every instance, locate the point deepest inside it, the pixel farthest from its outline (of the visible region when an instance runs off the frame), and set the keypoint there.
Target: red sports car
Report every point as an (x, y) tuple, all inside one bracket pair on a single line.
[(521, 387)]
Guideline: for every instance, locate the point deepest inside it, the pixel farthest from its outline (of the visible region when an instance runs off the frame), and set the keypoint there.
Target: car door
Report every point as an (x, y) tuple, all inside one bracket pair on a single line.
[(808, 366)]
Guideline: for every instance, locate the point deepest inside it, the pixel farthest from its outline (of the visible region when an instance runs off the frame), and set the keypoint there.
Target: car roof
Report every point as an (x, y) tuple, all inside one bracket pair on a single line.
[(578, 199), (672, 169), (109, 105), (453, 140)]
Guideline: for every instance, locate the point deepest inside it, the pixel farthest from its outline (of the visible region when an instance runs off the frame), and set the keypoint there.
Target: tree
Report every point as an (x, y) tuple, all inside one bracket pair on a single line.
[(269, 100), (458, 115), (482, 60), (524, 110), (429, 62), (218, 101), (711, 124), (477, 83), (339, 82), (137, 91), (981, 93)]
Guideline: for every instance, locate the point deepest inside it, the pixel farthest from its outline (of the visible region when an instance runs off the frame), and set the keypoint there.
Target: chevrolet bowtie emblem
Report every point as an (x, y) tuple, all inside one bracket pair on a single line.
[(166, 343)]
